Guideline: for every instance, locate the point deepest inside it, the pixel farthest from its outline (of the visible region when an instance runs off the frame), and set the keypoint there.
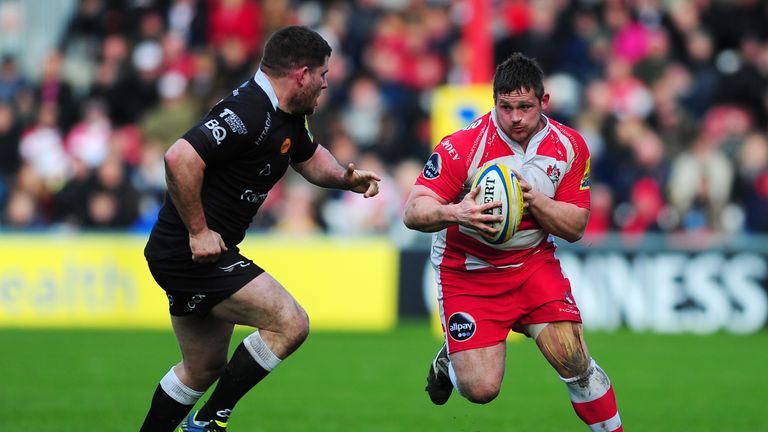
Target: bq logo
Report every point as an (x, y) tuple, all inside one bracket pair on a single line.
[(461, 326)]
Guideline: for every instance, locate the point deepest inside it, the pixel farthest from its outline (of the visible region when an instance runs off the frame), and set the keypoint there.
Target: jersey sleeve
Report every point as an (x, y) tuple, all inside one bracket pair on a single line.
[(444, 174), (574, 187), (223, 134), (306, 146)]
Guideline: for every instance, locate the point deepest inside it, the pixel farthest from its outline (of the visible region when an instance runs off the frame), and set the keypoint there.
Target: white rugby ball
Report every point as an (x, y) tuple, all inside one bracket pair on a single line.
[(498, 183)]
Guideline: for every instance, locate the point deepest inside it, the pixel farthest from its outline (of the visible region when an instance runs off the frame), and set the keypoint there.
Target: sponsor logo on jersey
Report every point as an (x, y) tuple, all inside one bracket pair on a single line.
[(461, 326), (450, 149), (267, 170), (585, 178), (265, 131), (253, 197), (553, 172), (433, 166), (285, 146), (218, 132), (194, 301), (569, 309), (234, 122)]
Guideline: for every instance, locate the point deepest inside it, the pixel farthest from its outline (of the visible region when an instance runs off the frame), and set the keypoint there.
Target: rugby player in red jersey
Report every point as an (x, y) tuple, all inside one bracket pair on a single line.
[(485, 289)]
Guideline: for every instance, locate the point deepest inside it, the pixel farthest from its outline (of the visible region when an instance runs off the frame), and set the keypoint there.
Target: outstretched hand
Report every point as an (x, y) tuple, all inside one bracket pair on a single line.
[(361, 181)]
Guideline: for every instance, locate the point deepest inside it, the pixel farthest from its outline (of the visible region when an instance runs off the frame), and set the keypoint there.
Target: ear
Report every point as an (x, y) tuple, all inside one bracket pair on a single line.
[(545, 101), (301, 75)]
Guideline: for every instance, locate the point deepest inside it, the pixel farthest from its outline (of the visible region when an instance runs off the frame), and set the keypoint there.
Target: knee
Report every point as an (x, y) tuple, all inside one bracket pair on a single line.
[(480, 392), (298, 327), (573, 364)]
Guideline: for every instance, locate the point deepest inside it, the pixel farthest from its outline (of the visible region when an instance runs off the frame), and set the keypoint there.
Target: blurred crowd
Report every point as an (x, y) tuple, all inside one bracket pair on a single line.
[(671, 96)]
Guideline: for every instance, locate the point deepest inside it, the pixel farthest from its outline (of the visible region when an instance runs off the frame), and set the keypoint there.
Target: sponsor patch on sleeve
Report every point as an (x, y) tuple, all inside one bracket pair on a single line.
[(433, 167), (585, 179), (214, 130), (234, 121)]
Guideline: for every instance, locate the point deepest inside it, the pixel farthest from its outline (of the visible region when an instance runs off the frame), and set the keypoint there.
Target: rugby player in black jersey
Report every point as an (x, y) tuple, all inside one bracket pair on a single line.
[(218, 174)]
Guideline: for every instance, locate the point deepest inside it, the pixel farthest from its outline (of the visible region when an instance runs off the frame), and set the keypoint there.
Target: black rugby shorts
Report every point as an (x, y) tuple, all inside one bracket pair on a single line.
[(195, 288)]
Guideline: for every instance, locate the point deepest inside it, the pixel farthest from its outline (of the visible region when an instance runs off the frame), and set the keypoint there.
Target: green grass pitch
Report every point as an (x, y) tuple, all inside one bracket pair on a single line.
[(78, 380)]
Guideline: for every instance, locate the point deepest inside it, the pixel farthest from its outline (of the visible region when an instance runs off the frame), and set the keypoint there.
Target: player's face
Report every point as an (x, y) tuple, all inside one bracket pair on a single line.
[(519, 114), (314, 83)]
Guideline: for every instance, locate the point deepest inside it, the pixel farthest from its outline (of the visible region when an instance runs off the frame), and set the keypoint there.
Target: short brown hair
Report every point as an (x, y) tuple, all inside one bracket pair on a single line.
[(293, 47)]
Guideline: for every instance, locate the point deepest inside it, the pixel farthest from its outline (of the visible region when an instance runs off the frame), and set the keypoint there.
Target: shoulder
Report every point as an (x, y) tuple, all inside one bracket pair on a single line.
[(460, 145), (571, 135), (247, 110), (570, 138)]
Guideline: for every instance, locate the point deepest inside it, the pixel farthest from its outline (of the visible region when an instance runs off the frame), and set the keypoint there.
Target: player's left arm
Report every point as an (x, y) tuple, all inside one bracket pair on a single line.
[(559, 218), (322, 169), (567, 213)]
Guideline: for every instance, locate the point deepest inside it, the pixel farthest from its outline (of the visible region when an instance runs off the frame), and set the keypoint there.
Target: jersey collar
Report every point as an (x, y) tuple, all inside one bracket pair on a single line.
[(261, 79), (532, 144)]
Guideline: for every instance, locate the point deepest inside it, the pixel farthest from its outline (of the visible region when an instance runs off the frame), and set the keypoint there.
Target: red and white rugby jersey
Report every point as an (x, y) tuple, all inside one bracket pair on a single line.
[(556, 163)]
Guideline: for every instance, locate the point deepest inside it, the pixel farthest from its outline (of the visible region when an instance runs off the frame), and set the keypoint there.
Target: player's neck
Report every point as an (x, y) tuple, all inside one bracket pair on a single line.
[(283, 92)]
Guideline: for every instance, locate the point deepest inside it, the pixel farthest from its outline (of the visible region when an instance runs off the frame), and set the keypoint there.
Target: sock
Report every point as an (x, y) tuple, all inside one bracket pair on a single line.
[(170, 403), (454, 380), (250, 363), (593, 400)]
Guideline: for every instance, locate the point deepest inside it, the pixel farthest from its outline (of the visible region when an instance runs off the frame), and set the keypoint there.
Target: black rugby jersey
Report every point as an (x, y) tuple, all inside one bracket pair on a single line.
[(247, 145)]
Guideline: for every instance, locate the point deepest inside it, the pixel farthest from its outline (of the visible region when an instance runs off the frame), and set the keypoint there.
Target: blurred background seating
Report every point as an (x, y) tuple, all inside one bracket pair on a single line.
[(670, 95)]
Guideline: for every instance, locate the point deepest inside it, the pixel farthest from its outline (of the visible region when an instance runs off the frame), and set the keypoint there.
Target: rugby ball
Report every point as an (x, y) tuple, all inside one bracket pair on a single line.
[(498, 183)]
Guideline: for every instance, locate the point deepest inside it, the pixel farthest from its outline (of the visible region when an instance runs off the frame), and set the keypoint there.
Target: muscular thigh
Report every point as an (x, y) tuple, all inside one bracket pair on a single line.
[(262, 303)]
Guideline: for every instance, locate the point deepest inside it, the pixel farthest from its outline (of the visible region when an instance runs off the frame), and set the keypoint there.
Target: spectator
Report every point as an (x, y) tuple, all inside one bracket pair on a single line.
[(700, 185), (10, 160), (42, 148), (88, 140), (751, 185), (165, 123), (112, 201), (11, 81)]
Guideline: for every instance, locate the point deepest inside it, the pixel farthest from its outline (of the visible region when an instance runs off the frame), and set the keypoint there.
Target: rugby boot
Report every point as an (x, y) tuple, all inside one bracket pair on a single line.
[(191, 425), (439, 386)]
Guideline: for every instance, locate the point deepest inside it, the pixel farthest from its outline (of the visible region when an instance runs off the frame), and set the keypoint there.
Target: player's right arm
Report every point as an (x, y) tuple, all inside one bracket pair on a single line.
[(184, 170), (426, 211)]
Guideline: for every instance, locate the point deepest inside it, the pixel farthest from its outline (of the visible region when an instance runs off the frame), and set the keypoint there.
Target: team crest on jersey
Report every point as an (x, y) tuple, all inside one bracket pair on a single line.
[(461, 326), (285, 146), (585, 179), (433, 167), (553, 172)]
